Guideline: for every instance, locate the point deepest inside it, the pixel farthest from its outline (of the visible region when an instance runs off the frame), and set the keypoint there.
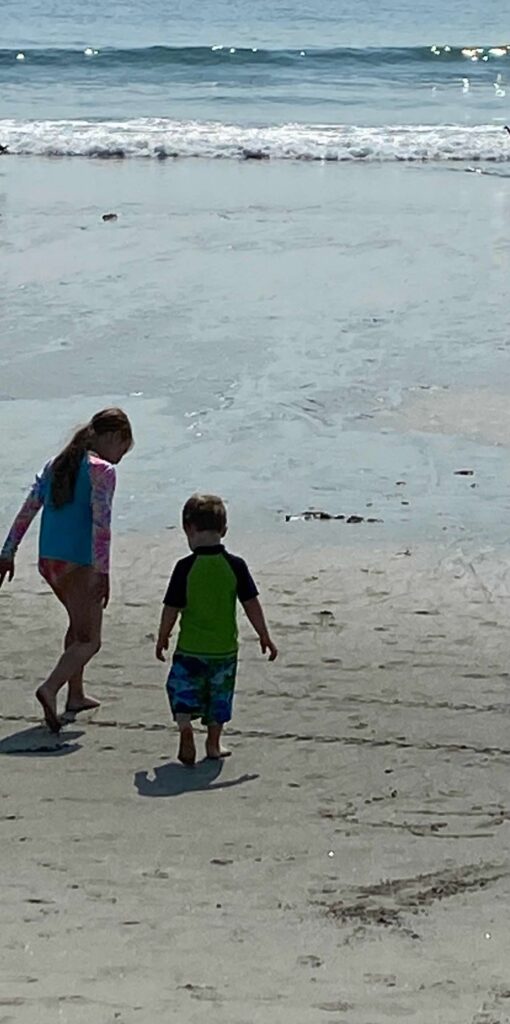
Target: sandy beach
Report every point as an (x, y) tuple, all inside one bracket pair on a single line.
[(348, 864), (277, 237)]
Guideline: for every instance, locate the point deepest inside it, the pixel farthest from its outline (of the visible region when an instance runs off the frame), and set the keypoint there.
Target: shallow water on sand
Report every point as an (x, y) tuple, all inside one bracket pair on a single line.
[(262, 324)]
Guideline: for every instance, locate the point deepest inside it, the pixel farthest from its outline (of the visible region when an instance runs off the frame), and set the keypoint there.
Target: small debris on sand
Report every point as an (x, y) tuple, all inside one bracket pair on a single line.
[(323, 516)]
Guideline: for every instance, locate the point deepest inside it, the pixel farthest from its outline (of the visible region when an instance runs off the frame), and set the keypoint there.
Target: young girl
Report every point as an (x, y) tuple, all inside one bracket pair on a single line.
[(75, 491)]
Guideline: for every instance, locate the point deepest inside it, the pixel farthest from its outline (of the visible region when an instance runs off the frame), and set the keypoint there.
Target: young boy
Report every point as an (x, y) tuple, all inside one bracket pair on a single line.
[(204, 589)]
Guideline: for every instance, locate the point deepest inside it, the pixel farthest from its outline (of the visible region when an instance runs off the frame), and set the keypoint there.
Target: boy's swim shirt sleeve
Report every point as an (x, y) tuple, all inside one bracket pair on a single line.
[(247, 589), (102, 489), (26, 514), (175, 596)]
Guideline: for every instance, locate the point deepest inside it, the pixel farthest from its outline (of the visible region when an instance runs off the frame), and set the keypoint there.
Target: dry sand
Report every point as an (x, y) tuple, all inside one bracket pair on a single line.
[(350, 863)]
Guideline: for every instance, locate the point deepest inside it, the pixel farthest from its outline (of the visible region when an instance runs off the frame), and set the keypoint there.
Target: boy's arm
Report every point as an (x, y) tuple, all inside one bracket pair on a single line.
[(168, 619), (253, 609), (174, 602)]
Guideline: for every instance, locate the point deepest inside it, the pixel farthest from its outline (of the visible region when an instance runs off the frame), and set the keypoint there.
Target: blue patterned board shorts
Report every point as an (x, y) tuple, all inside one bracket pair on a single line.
[(202, 687)]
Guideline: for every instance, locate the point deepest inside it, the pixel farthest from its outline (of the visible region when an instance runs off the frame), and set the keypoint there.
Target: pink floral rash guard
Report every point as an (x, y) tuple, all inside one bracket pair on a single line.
[(78, 532)]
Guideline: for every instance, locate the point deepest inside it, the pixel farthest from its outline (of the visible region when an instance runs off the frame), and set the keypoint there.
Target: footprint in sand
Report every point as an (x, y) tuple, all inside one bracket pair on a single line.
[(388, 980), (309, 961), (337, 1007), (205, 992)]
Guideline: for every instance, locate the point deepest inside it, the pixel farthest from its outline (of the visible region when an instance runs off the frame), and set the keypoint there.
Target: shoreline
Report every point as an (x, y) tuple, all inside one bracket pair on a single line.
[(286, 345), (406, 475)]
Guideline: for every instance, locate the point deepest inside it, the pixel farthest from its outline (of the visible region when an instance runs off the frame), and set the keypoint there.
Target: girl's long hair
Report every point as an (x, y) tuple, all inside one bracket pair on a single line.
[(66, 466)]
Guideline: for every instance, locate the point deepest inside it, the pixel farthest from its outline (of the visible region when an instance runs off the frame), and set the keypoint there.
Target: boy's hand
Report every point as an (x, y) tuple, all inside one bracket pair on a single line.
[(169, 617), (161, 646), (6, 569), (266, 644)]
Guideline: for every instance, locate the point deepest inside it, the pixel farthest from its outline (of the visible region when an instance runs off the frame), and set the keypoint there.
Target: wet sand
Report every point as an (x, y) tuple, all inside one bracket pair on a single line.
[(349, 863), (261, 324)]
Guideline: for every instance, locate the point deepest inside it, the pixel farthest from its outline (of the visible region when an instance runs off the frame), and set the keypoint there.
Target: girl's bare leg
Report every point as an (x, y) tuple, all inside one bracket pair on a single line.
[(85, 619), (77, 699)]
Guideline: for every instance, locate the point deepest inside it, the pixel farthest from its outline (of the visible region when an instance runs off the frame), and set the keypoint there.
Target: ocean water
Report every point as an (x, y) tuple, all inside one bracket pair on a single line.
[(313, 205), (327, 81)]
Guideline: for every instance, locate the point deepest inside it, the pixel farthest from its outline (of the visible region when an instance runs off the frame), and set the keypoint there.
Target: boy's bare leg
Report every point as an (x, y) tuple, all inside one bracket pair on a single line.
[(213, 747), (187, 751)]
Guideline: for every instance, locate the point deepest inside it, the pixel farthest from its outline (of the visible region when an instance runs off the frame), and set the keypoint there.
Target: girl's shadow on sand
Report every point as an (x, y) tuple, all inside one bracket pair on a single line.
[(174, 779), (39, 742)]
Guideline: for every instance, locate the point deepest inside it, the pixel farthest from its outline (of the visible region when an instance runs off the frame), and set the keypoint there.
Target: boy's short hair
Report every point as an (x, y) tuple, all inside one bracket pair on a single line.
[(206, 512)]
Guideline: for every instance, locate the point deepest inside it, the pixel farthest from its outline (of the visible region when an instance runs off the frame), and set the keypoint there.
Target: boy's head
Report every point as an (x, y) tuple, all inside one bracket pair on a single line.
[(204, 514)]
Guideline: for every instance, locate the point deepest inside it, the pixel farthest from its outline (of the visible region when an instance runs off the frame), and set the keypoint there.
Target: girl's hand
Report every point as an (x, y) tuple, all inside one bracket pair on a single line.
[(101, 588), (266, 644), (6, 569), (161, 646)]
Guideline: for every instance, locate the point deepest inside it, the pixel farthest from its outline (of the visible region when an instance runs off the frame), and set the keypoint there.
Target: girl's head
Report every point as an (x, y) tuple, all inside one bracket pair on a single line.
[(108, 434)]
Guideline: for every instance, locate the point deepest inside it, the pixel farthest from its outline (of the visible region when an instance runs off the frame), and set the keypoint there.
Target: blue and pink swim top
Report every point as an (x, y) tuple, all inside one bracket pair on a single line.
[(78, 532)]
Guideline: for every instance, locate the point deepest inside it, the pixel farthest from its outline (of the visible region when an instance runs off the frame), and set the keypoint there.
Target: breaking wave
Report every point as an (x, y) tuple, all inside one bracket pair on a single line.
[(160, 138)]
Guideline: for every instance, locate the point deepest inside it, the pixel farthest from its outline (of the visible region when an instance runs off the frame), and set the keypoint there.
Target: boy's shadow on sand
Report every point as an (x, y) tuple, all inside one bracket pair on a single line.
[(174, 779), (39, 742)]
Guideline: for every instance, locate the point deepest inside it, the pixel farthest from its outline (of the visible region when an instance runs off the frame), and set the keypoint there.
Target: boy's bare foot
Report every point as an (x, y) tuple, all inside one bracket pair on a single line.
[(213, 748), (215, 752), (86, 704), (187, 750), (49, 710)]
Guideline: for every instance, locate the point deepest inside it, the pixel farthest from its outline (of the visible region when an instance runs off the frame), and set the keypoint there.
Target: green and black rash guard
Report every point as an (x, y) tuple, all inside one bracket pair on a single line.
[(205, 587)]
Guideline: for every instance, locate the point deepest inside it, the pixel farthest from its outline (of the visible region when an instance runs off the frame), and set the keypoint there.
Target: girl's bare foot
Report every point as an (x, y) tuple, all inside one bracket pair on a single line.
[(85, 704), (49, 706), (187, 750)]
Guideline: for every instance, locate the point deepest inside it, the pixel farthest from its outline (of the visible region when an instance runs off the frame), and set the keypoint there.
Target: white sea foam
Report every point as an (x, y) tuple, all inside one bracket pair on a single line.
[(160, 138)]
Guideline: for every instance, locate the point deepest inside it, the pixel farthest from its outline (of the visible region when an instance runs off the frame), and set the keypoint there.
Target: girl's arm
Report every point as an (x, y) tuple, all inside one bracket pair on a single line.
[(253, 609), (102, 480), (168, 619), (26, 514)]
